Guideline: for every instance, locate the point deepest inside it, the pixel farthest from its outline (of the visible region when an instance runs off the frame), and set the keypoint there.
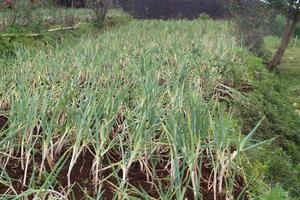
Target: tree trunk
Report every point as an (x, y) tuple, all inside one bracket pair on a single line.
[(101, 11), (290, 28)]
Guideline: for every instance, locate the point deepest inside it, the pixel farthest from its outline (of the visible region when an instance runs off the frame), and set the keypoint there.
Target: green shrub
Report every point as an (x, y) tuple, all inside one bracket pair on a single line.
[(204, 16), (277, 193)]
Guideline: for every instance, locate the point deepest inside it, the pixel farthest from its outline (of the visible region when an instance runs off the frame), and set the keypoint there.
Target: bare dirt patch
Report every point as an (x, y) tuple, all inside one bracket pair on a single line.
[(138, 178)]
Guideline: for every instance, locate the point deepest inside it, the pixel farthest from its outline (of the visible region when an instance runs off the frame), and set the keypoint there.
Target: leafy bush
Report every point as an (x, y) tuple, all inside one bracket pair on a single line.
[(276, 193)]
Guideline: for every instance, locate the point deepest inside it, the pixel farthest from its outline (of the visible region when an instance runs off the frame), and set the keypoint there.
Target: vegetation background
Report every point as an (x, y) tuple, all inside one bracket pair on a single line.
[(176, 102)]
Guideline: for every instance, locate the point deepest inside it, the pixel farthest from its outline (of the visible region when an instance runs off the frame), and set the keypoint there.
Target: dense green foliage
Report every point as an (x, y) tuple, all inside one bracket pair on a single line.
[(276, 193)]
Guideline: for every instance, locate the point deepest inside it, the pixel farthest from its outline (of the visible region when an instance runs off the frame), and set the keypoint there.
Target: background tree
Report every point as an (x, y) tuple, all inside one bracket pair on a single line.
[(291, 9), (101, 10), (250, 18)]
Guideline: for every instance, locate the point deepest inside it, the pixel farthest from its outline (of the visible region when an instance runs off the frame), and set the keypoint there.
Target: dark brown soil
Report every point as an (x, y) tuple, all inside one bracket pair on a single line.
[(81, 178), (3, 122)]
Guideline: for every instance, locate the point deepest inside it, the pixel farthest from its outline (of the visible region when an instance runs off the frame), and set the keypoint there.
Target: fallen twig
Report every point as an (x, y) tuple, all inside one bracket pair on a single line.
[(64, 28), (38, 34)]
